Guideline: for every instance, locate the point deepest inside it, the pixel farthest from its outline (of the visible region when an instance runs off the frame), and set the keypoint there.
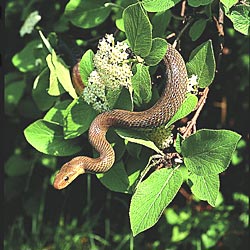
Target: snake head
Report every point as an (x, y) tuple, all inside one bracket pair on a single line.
[(68, 173)]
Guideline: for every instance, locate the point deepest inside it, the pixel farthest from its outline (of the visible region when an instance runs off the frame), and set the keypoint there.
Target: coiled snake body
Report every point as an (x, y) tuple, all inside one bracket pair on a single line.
[(163, 110)]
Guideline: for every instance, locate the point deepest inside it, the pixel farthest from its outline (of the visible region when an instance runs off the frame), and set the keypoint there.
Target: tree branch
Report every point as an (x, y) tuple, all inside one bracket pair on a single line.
[(191, 126)]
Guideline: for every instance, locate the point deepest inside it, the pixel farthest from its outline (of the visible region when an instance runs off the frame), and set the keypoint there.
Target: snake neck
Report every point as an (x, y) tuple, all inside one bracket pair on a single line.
[(97, 138)]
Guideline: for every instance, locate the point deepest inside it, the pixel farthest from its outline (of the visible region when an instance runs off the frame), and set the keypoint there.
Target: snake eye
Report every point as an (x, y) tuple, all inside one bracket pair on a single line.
[(66, 178)]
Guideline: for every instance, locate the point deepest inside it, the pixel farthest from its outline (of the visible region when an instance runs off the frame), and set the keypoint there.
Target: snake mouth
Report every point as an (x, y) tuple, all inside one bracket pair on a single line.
[(58, 184)]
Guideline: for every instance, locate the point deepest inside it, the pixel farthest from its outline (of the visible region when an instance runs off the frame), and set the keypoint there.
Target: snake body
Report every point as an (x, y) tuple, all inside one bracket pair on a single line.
[(160, 113)]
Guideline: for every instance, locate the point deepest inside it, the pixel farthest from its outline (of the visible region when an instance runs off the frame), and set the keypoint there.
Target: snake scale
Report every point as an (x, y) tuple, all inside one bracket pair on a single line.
[(160, 113)]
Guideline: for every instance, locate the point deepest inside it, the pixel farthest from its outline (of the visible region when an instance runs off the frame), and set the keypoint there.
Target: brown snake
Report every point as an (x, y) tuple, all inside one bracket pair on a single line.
[(163, 110)]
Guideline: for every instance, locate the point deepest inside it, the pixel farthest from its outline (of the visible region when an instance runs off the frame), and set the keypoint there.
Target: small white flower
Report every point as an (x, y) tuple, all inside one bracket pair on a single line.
[(110, 38), (193, 84)]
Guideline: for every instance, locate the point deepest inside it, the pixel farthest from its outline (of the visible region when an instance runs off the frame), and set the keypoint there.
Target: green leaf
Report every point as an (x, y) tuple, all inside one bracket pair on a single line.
[(120, 24), (196, 3), (160, 22), (87, 14), (138, 29), (179, 233), (141, 83), (124, 100), (158, 5), (25, 60), (13, 94), (185, 109), (229, 3), (86, 66), (39, 92), (137, 137), (202, 64), (133, 149), (30, 23), (118, 144), (28, 109), (55, 89), (78, 118), (197, 29), (46, 41), (57, 113), (178, 142), (62, 74), (151, 198), (157, 52), (116, 179), (206, 188), (134, 166), (16, 165), (209, 151), (112, 95), (48, 138), (240, 17)]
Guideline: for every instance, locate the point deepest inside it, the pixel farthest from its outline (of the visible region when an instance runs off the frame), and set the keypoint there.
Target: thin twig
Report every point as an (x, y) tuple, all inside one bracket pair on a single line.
[(185, 194), (189, 21), (170, 35), (192, 124), (183, 7), (220, 28)]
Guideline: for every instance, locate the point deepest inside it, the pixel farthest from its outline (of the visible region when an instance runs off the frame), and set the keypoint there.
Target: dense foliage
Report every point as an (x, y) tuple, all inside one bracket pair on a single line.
[(199, 201)]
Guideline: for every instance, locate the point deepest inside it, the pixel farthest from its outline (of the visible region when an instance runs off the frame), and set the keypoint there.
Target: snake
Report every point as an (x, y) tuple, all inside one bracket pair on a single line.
[(160, 113)]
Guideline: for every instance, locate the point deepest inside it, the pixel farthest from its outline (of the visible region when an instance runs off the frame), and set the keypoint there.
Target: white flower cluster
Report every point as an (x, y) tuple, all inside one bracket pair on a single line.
[(111, 71), (94, 93), (110, 62), (193, 85)]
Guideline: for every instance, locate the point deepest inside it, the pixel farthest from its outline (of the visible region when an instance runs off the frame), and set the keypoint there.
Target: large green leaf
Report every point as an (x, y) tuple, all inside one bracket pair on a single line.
[(141, 83), (151, 198), (157, 52), (159, 5), (229, 3), (124, 100), (86, 66), (205, 187), (160, 23), (25, 60), (186, 108), (209, 151), (197, 29), (196, 3), (138, 29), (59, 73), (78, 118), (137, 137), (202, 64), (48, 138), (116, 179), (57, 113), (240, 17), (39, 92), (87, 14)]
